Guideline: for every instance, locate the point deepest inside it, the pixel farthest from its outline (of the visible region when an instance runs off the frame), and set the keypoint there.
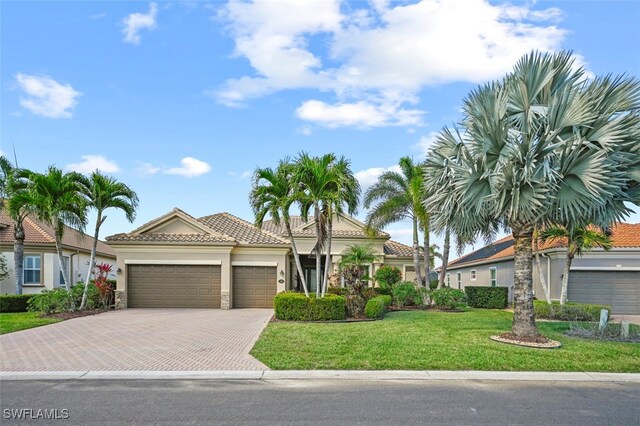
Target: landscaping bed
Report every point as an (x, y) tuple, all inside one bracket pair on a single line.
[(75, 314), (431, 340)]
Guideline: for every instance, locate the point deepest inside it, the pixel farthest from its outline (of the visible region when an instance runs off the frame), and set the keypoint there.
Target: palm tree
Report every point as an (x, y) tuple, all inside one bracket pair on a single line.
[(55, 198), (327, 186), (357, 255), (542, 146), (101, 193), (14, 201), (398, 196), (536, 254), (273, 193), (580, 239)]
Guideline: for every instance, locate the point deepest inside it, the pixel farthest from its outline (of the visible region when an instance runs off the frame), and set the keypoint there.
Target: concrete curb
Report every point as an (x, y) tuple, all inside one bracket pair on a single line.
[(270, 375)]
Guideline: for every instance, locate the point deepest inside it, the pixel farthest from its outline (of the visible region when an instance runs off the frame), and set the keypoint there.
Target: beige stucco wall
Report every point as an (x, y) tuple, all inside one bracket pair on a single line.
[(50, 269)]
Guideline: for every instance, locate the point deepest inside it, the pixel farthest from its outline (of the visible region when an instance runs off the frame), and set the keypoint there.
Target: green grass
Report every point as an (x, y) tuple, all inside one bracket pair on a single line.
[(428, 340), (22, 320)]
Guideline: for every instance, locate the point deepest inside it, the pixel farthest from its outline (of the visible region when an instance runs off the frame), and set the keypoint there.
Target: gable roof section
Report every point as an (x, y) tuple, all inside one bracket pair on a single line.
[(242, 231), (300, 228), (39, 233), (394, 248), (624, 235)]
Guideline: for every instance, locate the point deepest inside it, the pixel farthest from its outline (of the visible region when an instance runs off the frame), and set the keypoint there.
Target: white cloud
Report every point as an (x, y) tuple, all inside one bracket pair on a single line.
[(376, 58), (147, 169), (136, 22), (190, 167), (246, 174), (91, 163), (370, 176), (425, 142), (46, 97)]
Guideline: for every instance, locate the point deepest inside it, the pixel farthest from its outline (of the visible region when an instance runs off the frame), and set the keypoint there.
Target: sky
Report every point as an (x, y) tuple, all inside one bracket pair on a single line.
[(182, 100)]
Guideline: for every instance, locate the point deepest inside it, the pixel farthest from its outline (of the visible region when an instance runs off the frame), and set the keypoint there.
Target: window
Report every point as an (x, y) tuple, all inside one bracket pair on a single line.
[(65, 259), (473, 275), (493, 272), (32, 269), (459, 277), (448, 280)]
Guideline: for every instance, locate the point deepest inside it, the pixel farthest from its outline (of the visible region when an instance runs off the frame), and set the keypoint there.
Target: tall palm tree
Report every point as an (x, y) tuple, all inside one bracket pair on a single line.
[(328, 185), (56, 199), (272, 194), (580, 239), (14, 200), (101, 193), (398, 196), (542, 146)]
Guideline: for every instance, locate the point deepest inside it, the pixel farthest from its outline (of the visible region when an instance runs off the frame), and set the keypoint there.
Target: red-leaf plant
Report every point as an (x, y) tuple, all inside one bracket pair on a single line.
[(101, 272)]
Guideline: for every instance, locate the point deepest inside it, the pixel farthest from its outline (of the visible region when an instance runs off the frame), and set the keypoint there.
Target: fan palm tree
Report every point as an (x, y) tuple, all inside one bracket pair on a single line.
[(55, 198), (327, 186), (398, 196), (541, 146), (272, 194), (101, 193), (580, 239), (14, 201)]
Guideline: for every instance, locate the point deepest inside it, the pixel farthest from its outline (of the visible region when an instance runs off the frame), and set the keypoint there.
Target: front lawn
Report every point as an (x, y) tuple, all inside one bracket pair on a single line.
[(430, 340), (11, 322)]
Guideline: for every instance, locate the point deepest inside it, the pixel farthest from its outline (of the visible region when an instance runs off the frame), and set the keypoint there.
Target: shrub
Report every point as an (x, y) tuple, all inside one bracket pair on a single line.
[(433, 284), (405, 294), (51, 301), (487, 297), (447, 298), (568, 312), (386, 299), (375, 308), (388, 276), (293, 306), (14, 302), (340, 291)]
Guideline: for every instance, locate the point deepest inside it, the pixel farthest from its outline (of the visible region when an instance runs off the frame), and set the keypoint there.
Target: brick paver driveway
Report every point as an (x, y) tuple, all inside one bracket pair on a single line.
[(140, 339)]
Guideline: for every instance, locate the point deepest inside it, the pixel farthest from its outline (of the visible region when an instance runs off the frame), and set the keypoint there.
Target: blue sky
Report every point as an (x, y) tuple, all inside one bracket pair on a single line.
[(182, 100)]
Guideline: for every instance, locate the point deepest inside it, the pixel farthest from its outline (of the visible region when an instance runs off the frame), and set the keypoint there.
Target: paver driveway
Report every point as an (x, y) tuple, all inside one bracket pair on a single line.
[(140, 339)]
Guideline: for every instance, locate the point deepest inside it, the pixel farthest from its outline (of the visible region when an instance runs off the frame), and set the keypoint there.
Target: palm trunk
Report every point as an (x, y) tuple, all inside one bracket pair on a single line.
[(296, 257), (63, 269), (18, 256), (318, 252), (445, 257), (524, 324), (416, 253), (327, 261), (92, 260), (543, 281), (565, 278), (427, 254)]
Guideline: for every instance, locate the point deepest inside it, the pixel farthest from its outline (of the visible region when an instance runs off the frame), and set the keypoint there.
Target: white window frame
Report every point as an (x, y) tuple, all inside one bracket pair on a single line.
[(493, 281), (474, 274), (459, 279), (25, 268)]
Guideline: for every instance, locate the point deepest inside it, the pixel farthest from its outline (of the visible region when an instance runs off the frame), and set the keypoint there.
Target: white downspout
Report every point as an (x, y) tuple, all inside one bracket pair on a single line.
[(548, 273)]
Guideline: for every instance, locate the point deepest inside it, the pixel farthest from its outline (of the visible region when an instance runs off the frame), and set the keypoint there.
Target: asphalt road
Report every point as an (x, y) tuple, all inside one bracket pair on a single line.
[(322, 402)]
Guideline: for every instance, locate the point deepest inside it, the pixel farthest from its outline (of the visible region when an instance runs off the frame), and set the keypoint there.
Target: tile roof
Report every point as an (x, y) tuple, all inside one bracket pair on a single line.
[(297, 223), (624, 235), (39, 233), (161, 237), (241, 230), (394, 248)]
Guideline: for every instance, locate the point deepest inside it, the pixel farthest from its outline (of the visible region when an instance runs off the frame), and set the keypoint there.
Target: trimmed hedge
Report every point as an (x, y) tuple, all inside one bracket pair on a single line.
[(375, 307), (487, 297), (293, 306), (447, 298), (386, 299), (568, 312), (14, 302)]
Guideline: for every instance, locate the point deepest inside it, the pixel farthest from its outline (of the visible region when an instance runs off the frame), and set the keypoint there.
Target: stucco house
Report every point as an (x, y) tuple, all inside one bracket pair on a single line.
[(41, 265), (222, 261), (602, 277)]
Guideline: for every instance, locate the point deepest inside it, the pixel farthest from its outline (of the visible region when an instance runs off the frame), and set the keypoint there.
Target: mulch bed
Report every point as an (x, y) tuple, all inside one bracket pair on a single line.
[(76, 314), (540, 342)]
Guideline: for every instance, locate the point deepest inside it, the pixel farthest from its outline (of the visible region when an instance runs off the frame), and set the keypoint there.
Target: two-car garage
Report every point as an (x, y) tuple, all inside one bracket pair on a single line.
[(619, 289), (198, 286)]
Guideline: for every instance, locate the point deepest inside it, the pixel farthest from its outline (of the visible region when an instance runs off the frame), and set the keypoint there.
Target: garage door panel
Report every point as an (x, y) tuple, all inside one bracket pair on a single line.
[(254, 286), (620, 290), (174, 286)]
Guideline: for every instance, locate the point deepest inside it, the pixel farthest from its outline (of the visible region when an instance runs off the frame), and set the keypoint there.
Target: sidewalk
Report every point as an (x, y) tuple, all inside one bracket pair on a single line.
[(268, 375)]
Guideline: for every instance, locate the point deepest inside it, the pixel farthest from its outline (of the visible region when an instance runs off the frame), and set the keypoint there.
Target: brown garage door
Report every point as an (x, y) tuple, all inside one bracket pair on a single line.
[(254, 286), (173, 286), (620, 290)]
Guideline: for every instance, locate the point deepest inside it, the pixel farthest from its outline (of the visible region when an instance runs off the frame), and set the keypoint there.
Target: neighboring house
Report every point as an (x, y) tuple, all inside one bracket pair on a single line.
[(222, 261), (41, 265), (602, 277)]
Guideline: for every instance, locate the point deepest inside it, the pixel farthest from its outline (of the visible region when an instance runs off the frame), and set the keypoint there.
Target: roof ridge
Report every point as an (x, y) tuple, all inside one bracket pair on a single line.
[(246, 222), (38, 228)]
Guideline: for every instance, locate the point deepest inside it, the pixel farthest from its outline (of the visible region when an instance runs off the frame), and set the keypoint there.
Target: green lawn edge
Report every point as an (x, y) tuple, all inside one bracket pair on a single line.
[(12, 322), (432, 340)]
